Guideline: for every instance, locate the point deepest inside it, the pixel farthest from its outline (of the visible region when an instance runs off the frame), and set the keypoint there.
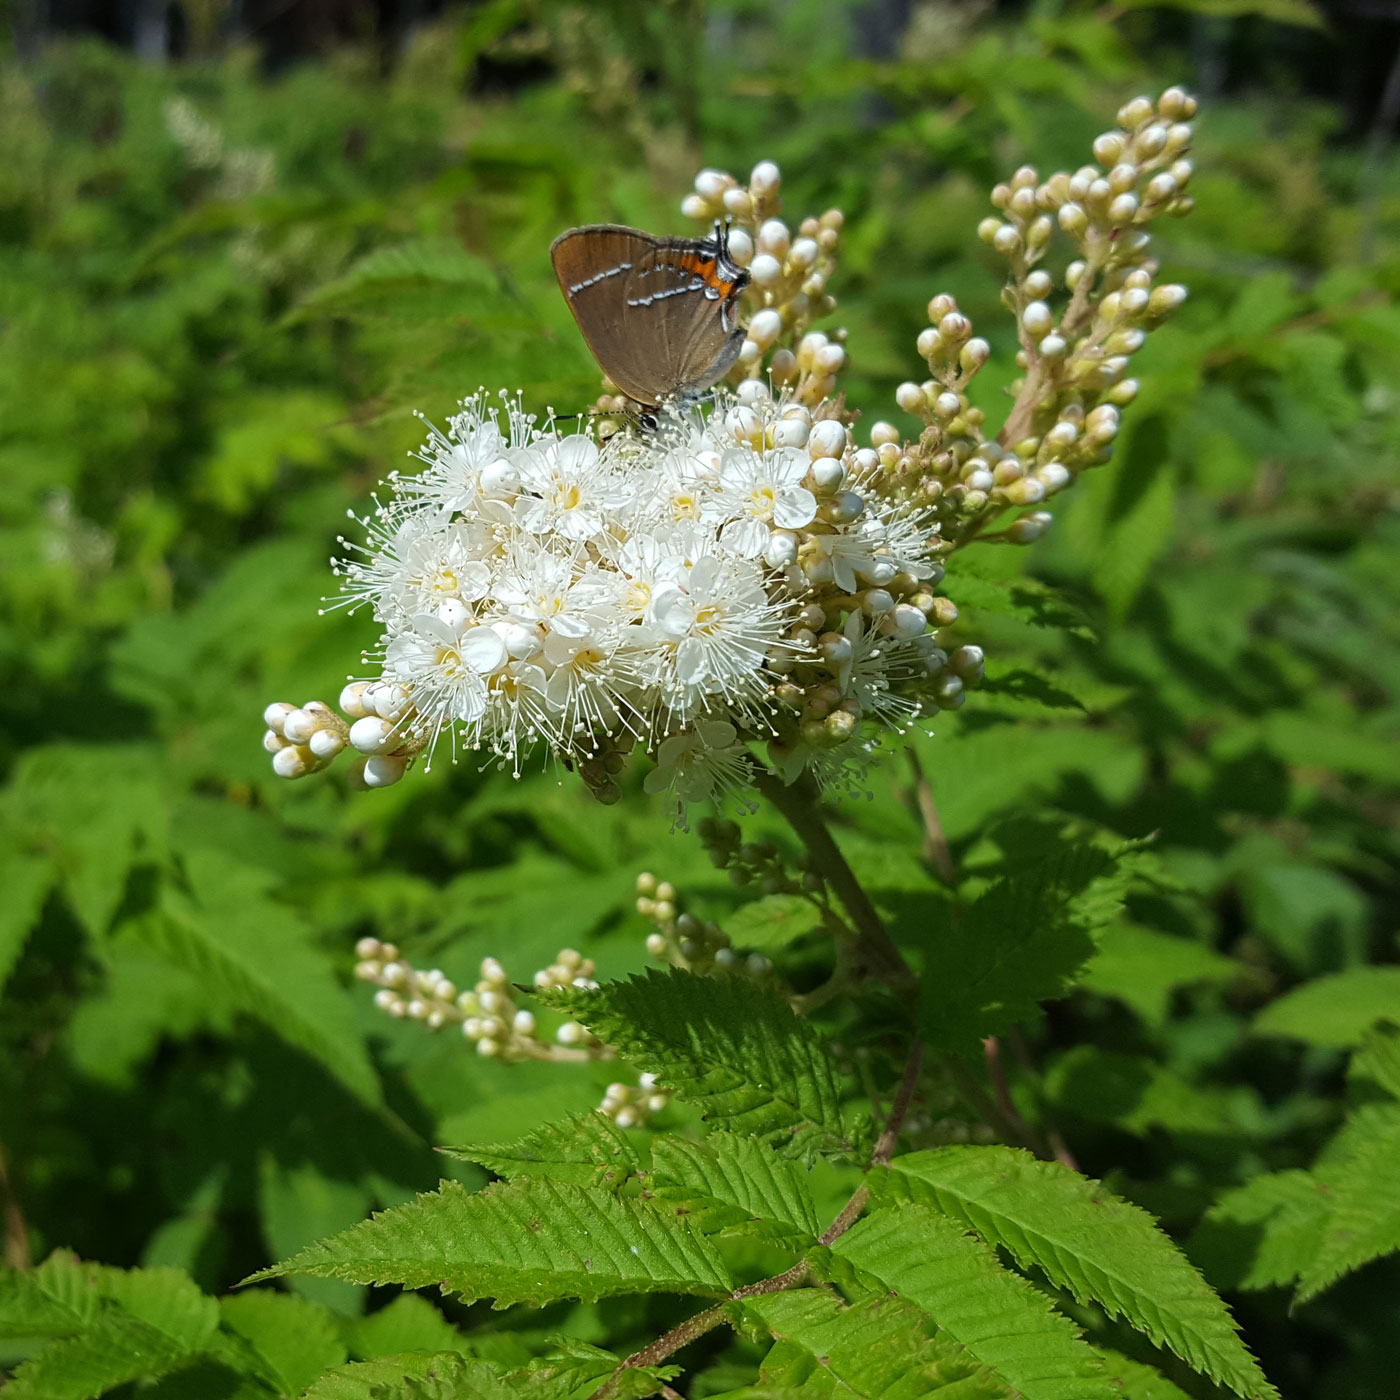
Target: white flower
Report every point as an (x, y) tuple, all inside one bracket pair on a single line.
[(700, 762), (565, 489), (445, 667), (660, 592), (761, 492), (719, 625)]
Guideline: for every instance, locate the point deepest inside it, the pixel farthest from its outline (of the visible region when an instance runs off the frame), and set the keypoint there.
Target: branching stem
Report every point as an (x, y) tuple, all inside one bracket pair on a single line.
[(800, 806)]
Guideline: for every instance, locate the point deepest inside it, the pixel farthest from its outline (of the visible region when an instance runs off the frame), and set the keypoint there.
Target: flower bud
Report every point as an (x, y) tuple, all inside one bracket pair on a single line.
[(765, 270), (1108, 147), (384, 770), (1036, 320), (765, 178), (974, 355), (828, 438)]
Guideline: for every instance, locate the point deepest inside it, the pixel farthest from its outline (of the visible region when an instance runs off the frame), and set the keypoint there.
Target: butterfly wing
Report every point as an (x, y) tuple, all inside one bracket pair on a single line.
[(660, 315)]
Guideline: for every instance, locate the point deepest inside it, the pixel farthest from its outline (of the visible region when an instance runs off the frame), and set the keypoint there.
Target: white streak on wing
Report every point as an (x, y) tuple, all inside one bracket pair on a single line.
[(696, 285), (600, 277)]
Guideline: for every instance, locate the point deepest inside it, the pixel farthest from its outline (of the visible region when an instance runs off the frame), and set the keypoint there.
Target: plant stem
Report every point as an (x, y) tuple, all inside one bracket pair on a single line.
[(695, 1327), (800, 806), (15, 1253), (936, 849)]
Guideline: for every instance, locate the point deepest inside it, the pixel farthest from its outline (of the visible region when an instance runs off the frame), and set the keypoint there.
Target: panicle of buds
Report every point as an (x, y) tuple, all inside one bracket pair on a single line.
[(788, 272), (1077, 335), (633, 1106), (684, 941), (487, 1014)]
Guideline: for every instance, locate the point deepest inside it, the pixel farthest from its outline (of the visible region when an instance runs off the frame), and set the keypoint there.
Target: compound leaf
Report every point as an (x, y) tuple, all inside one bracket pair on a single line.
[(1087, 1240), (728, 1044), (526, 1241)]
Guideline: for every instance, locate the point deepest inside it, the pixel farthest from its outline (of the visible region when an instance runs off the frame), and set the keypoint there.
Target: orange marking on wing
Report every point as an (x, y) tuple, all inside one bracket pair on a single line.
[(707, 269)]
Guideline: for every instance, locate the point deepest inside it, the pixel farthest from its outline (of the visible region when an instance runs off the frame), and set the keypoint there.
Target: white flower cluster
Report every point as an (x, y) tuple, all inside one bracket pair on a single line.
[(686, 589)]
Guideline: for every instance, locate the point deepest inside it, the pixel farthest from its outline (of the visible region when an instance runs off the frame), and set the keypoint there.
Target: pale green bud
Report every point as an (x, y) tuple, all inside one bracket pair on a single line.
[(1073, 219)]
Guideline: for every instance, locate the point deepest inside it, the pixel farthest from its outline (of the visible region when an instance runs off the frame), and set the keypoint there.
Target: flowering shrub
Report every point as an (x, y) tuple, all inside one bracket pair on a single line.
[(783, 1114)]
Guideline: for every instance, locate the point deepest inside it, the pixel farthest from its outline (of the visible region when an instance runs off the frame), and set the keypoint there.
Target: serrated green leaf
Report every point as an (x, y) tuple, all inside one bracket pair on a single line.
[(879, 1349), (921, 1255), (526, 1241), (1262, 1234), (1139, 1382), (296, 1339), (775, 921), (114, 1349), (409, 1323), (1017, 945), (26, 880), (1083, 1238), (1364, 1222), (1335, 1010), (584, 1148), (1377, 1059), (399, 1377), (400, 275), (728, 1044), (258, 954), (731, 1180)]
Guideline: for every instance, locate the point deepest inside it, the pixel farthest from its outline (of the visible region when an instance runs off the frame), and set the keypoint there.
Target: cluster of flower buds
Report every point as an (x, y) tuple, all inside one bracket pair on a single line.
[(788, 279), (306, 739), (684, 941), (302, 738), (632, 1106), (1075, 349), (487, 1014)]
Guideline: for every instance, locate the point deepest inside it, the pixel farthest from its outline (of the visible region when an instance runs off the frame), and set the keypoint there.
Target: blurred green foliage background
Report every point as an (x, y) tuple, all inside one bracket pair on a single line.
[(222, 293)]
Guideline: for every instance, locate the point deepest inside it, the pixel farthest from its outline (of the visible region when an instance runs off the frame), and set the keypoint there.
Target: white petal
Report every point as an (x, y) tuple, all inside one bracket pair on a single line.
[(746, 537), (483, 649), (795, 507)]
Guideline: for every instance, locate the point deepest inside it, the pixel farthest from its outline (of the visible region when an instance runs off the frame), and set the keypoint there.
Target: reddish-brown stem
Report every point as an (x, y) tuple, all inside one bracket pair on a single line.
[(800, 805), (936, 849), (695, 1327), (16, 1253)]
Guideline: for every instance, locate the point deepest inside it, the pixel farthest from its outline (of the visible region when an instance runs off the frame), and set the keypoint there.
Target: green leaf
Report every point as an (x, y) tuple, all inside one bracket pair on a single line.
[(1142, 968), (1262, 1234), (1087, 1240), (296, 1339), (1299, 12), (1017, 945), (409, 1323), (730, 1180), (1133, 543), (1336, 1010), (920, 1255), (96, 810), (1364, 1222), (1378, 1058), (414, 1376), (587, 1149), (121, 1325), (526, 1241), (1137, 1094), (880, 1349), (257, 953), (26, 881), (728, 1044), (398, 278), (1139, 1382), (114, 1349), (774, 921)]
